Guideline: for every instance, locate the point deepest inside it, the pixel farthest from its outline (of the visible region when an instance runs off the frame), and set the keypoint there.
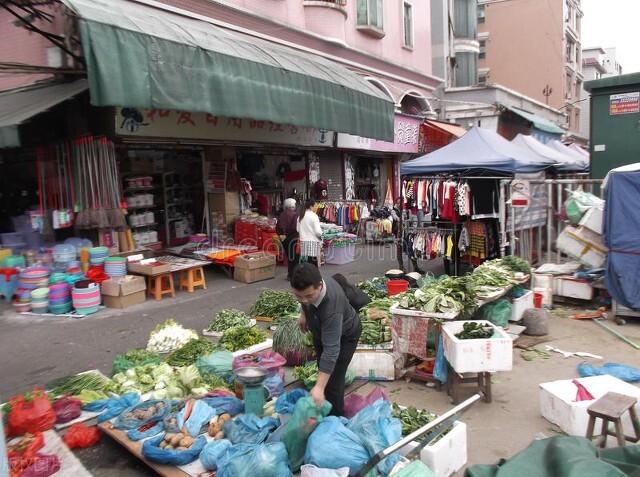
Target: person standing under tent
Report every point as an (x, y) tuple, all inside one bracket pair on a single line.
[(288, 231), (335, 327), (310, 234)]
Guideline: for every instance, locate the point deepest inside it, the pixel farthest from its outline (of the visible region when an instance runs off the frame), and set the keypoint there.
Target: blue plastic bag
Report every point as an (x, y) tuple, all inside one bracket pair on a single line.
[(112, 407), (306, 417), (126, 420), (440, 370), (212, 453), (136, 435), (620, 371), (225, 404), (219, 363), (201, 414), (378, 429), (151, 450), (264, 460), (332, 446), (275, 385), (249, 429), (286, 403)]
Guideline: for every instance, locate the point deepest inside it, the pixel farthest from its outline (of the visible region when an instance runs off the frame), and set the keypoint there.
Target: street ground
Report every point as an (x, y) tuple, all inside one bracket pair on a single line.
[(35, 350)]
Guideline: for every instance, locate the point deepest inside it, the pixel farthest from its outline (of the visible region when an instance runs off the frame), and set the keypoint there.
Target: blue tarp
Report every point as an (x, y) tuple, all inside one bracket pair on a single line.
[(580, 161), (622, 237), (478, 149), (562, 161)]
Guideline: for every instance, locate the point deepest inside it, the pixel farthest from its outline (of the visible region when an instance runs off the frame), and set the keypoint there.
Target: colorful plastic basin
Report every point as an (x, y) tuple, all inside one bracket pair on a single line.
[(40, 293), (22, 307), (87, 311)]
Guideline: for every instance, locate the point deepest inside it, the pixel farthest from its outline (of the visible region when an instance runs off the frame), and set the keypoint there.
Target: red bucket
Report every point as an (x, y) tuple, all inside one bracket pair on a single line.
[(395, 287), (537, 300)]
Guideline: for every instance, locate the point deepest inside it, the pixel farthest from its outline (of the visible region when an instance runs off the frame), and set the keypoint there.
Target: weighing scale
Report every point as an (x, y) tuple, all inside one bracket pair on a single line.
[(253, 391)]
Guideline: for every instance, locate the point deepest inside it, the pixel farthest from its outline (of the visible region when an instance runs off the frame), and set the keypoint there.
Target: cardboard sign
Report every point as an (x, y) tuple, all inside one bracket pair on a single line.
[(520, 193)]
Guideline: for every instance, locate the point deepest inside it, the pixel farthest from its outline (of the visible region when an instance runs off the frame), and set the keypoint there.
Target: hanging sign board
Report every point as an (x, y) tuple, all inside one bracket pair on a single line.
[(406, 138), (520, 193), (625, 103), (167, 123)]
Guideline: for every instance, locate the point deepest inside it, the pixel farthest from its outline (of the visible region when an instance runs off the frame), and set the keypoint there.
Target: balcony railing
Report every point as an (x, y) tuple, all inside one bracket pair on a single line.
[(339, 3)]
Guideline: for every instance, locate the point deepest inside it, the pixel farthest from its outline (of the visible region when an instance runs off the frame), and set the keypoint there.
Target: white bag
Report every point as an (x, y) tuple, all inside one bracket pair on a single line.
[(309, 470)]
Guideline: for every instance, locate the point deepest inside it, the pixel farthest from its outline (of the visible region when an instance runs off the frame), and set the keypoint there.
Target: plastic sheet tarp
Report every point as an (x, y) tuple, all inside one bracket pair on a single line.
[(581, 160), (561, 161), (565, 457), (478, 149), (622, 237)]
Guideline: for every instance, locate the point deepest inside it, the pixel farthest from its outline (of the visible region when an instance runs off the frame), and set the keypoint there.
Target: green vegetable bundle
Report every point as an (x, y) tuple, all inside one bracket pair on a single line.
[(516, 264), (162, 380), (291, 342), (375, 288), (445, 295), (308, 374), (275, 304), (239, 337), (472, 330), (190, 352), (413, 419), (492, 275), (375, 332), (133, 358), (228, 318), (73, 385)]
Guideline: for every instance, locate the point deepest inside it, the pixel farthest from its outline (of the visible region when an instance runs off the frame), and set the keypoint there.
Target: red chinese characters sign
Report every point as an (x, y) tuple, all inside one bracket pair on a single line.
[(625, 103), (202, 126)]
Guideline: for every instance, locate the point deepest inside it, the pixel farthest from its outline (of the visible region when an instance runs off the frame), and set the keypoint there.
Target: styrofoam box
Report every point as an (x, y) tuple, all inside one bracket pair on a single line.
[(593, 219), (574, 288), (477, 356), (520, 305), (544, 280), (379, 364), (584, 245), (558, 405), (401, 312), (448, 455)]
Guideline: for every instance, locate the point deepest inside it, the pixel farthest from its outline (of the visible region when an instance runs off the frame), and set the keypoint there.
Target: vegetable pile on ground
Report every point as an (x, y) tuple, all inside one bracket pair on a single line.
[(472, 330), (228, 318), (375, 332), (375, 288), (377, 309), (133, 358), (169, 336), (275, 304), (515, 264), (74, 385), (413, 419), (239, 337), (189, 353), (163, 381), (291, 342), (491, 277), (445, 295)]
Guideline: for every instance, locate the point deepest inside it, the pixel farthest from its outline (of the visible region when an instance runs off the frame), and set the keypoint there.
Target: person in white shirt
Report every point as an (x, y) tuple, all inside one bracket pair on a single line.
[(310, 233)]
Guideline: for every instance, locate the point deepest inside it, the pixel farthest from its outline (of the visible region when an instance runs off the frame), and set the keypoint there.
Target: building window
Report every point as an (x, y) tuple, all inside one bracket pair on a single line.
[(483, 49), (370, 13), (568, 86), (407, 9), (481, 13), (483, 77), (569, 51), (578, 88)]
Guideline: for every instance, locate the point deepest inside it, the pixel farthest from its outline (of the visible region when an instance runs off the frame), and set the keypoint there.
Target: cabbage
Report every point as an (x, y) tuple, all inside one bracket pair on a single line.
[(174, 391), (189, 376)]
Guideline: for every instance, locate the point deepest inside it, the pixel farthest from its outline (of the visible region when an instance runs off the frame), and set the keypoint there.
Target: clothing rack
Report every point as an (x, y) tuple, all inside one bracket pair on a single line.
[(454, 229)]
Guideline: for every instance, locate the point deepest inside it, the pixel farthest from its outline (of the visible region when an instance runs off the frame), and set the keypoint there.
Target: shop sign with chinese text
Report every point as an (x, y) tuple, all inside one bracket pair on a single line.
[(169, 124), (406, 135), (625, 103)]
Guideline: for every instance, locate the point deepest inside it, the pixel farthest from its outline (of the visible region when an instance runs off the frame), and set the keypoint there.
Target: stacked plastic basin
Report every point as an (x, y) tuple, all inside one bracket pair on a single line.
[(59, 294), (29, 279), (86, 297), (14, 241), (40, 300), (97, 256), (63, 254), (115, 267)]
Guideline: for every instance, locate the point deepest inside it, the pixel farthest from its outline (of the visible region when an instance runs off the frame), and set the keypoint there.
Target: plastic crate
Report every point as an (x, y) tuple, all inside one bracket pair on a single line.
[(480, 355)]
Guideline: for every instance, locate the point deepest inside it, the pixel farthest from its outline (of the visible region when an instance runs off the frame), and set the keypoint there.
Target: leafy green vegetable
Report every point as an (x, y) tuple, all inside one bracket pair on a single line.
[(238, 337), (375, 288), (228, 318), (288, 337), (516, 264), (375, 332), (308, 374), (163, 381), (133, 358), (190, 352), (72, 385), (275, 304), (413, 419), (445, 295), (86, 396), (213, 381), (472, 330)]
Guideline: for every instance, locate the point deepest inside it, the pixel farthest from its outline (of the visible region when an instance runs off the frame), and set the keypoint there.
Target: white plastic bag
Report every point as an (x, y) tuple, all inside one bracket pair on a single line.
[(309, 470)]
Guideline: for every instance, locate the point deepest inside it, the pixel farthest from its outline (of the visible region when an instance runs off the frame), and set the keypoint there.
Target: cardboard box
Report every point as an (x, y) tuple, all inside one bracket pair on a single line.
[(125, 301), (254, 267), (148, 269), (124, 286), (558, 404)]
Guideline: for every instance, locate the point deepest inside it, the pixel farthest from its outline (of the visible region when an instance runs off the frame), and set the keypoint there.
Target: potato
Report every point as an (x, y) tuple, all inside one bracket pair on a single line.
[(169, 437), (219, 435), (225, 417), (177, 438), (187, 441), (163, 444)]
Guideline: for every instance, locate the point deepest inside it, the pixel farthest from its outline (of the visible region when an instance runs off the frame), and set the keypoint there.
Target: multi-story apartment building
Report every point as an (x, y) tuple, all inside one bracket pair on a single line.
[(534, 47), (597, 63)]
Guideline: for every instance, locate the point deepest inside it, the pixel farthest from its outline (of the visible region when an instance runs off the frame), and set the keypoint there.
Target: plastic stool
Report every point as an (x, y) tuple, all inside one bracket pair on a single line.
[(160, 285), (610, 408), (192, 278)]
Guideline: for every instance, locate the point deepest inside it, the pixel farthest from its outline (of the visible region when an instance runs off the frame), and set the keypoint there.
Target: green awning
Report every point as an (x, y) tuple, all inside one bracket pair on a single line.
[(18, 106), (539, 123), (145, 57)]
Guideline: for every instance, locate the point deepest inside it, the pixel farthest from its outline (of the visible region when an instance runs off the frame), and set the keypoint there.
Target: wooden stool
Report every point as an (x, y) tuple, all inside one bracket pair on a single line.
[(455, 384), (160, 285), (192, 278), (610, 408)]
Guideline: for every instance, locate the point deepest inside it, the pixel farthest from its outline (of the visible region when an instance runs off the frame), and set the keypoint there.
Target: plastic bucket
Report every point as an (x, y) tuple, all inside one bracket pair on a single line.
[(537, 300), (395, 287)]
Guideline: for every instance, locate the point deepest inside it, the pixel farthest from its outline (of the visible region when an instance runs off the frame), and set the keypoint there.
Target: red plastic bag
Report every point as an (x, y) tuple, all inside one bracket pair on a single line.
[(38, 465), (67, 409), (355, 402), (27, 446), (31, 413), (81, 436), (583, 393)]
